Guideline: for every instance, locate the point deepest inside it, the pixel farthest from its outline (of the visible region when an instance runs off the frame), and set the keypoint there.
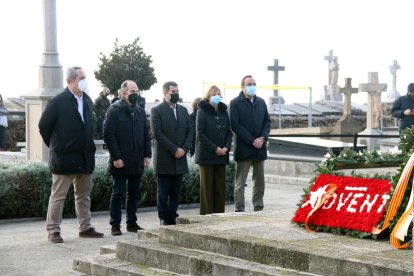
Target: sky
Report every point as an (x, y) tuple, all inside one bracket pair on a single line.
[(196, 43)]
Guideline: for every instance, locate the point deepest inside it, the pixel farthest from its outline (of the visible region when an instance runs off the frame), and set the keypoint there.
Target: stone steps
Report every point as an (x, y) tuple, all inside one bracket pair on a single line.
[(259, 243), (186, 261), (109, 264), (148, 256), (263, 238)]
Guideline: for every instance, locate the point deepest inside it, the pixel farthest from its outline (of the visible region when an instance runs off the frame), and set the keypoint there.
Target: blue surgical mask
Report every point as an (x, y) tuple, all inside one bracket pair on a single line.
[(214, 100), (251, 90)]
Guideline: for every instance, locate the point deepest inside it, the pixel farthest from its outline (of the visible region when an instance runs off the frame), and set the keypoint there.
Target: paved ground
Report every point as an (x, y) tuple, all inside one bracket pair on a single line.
[(24, 249)]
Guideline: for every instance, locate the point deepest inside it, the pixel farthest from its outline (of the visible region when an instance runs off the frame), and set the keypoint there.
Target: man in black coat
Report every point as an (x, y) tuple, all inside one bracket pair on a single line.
[(250, 122), (100, 106), (170, 125), (403, 108), (66, 127), (127, 139)]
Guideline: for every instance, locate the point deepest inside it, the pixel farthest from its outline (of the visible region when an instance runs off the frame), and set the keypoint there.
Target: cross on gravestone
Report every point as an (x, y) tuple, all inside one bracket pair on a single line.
[(276, 68), (374, 89), (393, 94), (347, 90)]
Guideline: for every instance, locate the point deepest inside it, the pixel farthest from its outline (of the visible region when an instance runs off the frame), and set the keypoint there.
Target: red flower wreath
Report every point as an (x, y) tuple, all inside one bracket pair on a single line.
[(355, 203)]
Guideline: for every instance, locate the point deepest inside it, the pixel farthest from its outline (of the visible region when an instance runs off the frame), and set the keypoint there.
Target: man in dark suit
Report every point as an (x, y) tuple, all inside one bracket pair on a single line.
[(66, 127), (170, 125), (129, 145)]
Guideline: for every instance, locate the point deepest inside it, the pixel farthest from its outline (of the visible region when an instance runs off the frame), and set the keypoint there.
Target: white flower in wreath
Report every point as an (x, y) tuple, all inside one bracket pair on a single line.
[(328, 155), (395, 151)]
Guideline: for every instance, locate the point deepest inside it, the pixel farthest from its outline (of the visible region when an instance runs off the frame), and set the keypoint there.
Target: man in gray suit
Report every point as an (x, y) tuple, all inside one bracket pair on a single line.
[(170, 125)]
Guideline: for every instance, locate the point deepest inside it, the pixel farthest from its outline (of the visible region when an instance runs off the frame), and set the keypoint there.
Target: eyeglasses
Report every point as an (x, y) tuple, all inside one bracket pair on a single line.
[(250, 84), (173, 91)]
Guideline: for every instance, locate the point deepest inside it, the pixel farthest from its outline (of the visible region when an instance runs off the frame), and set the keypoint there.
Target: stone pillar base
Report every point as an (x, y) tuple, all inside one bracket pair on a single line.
[(35, 103), (371, 143)]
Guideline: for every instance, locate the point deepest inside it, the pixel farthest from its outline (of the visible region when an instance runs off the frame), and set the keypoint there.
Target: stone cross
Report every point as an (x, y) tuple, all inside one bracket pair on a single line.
[(276, 68), (329, 58), (347, 90), (393, 94), (374, 89)]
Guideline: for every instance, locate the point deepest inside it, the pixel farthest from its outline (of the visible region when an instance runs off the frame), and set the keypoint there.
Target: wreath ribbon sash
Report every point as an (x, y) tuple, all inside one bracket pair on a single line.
[(320, 201), (400, 230), (395, 204)]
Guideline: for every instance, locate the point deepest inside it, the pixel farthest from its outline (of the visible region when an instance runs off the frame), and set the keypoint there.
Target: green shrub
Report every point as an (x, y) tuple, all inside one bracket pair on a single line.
[(25, 189)]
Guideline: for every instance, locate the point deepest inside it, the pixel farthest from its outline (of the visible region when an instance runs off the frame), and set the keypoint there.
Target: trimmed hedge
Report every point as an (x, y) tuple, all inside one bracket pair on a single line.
[(25, 189)]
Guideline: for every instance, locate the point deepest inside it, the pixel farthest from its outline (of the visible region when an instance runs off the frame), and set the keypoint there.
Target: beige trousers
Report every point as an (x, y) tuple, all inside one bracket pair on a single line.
[(82, 184), (242, 170)]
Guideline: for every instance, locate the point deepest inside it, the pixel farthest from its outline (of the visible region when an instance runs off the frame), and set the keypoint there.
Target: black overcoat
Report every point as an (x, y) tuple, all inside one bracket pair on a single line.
[(70, 140), (399, 106), (213, 130), (249, 121), (126, 136)]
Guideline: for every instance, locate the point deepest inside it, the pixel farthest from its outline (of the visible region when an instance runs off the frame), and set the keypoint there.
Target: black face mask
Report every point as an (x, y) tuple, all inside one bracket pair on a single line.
[(174, 98), (133, 98)]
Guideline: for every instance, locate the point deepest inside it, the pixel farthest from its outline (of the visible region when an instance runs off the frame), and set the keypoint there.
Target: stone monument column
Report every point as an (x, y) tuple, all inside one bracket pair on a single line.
[(374, 108), (50, 84)]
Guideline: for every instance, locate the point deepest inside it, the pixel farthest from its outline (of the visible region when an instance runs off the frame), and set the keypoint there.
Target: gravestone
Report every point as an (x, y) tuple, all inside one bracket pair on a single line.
[(393, 94), (347, 90), (307, 146), (346, 124), (374, 111), (50, 83), (275, 68)]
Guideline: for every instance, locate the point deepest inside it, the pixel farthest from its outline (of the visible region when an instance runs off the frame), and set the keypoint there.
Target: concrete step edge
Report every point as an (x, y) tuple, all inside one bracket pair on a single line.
[(148, 234), (109, 265), (281, 179), (194, 262), (107, 249)]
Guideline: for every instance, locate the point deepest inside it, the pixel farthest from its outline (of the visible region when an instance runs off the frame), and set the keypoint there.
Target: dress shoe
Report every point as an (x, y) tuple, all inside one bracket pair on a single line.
[(164, 222), (133, 227), (116, 230), (90, 233), (55, 238)]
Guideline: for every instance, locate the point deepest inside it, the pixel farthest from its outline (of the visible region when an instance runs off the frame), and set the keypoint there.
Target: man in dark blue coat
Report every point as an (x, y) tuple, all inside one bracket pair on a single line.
[(403, 108), (250, 122), (127, 139), (170, 125), (66, 127)]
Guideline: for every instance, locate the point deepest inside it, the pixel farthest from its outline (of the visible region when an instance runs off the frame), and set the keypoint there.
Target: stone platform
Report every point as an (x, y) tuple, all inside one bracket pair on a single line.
[(255, 243)]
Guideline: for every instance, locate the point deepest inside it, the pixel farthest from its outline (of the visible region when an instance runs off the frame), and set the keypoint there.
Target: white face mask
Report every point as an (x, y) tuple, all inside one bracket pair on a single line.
[(83, 86)]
